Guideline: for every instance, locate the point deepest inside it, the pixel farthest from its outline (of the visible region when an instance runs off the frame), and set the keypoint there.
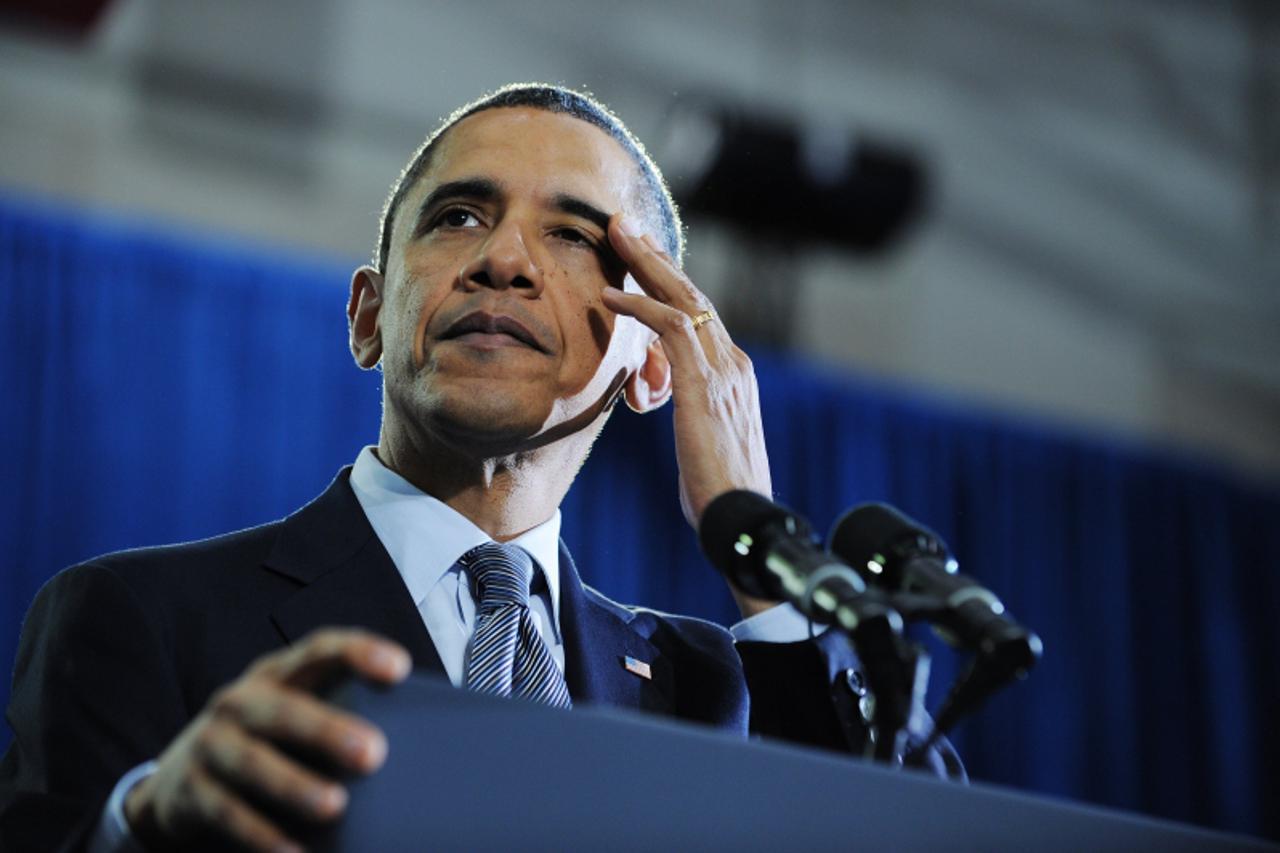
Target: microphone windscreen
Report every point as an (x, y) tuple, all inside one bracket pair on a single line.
[(729, 517), (868, 529)]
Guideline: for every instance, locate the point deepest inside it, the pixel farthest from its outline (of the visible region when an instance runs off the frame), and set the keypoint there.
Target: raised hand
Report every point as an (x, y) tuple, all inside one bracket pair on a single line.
[(718, 431), (230, 754)]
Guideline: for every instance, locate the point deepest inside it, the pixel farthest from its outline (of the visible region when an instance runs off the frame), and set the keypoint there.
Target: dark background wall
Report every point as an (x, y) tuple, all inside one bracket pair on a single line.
[(160, 389)]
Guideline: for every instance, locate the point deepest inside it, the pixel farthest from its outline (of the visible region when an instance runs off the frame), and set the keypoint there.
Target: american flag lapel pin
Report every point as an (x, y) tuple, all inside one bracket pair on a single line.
[(637, 667)]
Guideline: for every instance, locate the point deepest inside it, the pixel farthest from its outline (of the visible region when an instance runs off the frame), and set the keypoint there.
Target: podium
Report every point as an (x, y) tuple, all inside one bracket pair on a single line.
[(470, 772)]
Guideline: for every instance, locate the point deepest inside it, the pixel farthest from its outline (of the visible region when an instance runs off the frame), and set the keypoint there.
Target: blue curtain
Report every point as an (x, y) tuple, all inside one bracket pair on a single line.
[(162, 388)]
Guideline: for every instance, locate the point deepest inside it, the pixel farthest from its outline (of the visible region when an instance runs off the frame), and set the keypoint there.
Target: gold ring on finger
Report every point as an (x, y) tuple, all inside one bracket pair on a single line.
[(700, 320)]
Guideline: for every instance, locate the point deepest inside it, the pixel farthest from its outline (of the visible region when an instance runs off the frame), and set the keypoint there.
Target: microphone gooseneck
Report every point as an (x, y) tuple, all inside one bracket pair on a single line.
[(894, 553)]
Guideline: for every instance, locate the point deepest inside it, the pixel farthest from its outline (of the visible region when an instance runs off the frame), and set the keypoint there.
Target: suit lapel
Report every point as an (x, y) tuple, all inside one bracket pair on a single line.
[(347, 577), (598, 638)]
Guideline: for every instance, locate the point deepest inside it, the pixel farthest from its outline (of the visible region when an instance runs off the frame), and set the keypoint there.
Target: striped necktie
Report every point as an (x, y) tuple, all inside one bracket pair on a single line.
[(508, 656)]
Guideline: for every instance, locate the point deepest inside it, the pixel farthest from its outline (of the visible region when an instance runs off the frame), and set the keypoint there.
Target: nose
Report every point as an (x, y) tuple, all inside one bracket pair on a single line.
[(504, 261)]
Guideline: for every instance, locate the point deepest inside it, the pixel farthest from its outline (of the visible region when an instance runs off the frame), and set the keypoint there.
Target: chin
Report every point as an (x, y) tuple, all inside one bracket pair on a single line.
[(487, 416), (488, 422), (484, 423)]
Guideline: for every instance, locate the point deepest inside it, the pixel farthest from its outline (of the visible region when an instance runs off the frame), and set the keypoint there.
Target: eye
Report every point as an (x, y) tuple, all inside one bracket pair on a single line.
[(573, 235), (456, 217)]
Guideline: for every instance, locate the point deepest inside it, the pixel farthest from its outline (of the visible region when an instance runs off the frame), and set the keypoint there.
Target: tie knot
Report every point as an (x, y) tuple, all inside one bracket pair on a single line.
[(502, 572)]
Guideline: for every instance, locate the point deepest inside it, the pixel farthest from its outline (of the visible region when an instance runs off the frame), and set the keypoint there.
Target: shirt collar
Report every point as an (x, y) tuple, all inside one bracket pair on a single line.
[(425, 537)]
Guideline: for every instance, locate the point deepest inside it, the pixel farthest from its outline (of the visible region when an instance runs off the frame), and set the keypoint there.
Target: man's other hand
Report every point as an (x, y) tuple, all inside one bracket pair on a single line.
[(235, 752)]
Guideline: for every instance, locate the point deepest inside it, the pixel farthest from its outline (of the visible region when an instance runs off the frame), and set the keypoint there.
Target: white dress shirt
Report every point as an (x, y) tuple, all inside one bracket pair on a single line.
[(425, 538)]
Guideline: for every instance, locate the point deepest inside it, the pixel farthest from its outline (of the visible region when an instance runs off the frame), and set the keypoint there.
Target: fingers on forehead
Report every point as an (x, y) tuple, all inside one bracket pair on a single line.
[(658, 276)]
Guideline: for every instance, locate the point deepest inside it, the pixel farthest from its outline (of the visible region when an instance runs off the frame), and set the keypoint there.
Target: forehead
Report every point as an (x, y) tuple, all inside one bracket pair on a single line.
[(536, 153)]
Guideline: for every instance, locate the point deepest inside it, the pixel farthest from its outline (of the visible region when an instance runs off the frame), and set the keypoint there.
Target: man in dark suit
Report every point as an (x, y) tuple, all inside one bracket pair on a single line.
[(528, 278)]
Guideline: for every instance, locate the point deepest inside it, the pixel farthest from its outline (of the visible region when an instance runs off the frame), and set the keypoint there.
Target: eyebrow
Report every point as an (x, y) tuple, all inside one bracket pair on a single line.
[(575, 206), (484, 189), (476, 189)]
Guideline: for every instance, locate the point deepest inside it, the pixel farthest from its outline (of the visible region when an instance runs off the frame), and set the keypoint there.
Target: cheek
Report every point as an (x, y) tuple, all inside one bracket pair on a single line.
[(587, 327), (588, 266), (416, 301)]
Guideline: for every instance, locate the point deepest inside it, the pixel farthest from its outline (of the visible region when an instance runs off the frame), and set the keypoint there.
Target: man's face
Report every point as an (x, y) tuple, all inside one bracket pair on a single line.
[(492, 328)]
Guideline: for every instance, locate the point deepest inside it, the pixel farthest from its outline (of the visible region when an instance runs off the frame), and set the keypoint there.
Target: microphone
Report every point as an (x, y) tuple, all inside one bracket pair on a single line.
[(769, 552), (893, 552)]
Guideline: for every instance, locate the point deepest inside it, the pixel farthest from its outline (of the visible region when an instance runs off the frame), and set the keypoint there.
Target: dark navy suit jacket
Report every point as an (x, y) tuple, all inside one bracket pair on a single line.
[(118, 654)]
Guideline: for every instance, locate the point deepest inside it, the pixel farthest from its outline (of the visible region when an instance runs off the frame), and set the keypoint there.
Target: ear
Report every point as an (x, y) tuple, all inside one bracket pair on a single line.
[(650, 386), (362, 316)]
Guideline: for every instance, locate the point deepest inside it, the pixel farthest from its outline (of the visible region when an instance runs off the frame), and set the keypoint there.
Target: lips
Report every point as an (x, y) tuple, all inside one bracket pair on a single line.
[(482, 324)]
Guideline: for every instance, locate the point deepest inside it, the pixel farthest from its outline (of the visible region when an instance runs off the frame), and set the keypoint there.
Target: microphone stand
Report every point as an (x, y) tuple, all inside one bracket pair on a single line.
[(902, 670), (897, 672)]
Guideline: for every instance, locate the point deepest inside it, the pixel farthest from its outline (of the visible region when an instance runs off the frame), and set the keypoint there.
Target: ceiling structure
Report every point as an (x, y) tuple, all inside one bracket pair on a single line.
[(1101, 245)]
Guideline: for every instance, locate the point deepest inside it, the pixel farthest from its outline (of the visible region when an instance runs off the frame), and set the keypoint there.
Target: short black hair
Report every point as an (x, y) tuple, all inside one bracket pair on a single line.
[(658, 203)]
